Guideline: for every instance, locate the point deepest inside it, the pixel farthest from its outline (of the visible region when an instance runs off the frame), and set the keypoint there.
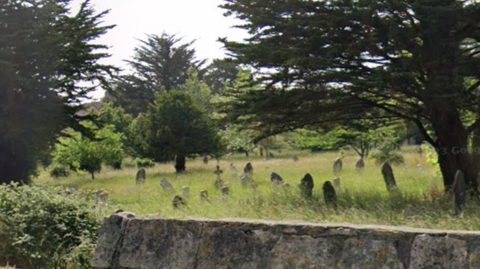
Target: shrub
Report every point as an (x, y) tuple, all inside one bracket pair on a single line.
[(59, 171), (46, 228), (144, 162), (387, 152)]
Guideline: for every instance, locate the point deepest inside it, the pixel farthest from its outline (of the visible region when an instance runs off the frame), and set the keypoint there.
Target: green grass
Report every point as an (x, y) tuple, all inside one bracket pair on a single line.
[(362, 198)]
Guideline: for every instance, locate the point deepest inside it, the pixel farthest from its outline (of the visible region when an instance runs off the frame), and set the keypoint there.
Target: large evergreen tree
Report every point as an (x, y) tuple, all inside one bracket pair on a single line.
[(48, 65), (329, 60), (160, 64)]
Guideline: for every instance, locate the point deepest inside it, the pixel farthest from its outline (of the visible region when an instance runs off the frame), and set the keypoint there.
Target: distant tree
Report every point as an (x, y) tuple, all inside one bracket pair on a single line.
[(82, 153), (221, 73), (48, 65), (174, 128), (160, 64), (330, 61)]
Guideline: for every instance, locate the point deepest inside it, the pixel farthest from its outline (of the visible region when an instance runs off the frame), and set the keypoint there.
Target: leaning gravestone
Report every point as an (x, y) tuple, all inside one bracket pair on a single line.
[(167, 186), (295, 158), (141, 176), (388, 176), (248, 169), (178, 201), (337, 165), (459, 189), (329, 193), (276, 179), (306, 185), (246, 179), (185, 191), (205, 159), (204, 195), (336, 182), (360, 164)]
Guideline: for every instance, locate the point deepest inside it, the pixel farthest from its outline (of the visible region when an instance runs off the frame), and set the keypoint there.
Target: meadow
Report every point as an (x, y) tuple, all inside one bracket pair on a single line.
[(362, 197)]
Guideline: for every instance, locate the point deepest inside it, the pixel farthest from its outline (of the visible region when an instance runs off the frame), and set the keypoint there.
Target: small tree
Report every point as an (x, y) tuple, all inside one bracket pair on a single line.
[(175, 128), (80, 153)]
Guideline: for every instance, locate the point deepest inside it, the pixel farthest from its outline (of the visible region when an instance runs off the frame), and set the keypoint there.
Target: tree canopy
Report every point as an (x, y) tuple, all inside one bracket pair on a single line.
[(329, 61), (49, 62)]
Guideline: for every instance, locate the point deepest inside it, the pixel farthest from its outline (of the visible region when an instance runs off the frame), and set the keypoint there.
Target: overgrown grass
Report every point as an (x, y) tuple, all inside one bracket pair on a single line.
[(362, 198)]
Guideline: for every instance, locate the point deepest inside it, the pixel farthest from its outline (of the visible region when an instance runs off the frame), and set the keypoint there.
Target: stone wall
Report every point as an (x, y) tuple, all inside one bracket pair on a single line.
[(129, 242)]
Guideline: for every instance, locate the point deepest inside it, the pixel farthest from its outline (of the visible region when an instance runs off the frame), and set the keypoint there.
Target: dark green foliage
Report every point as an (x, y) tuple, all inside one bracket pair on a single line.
[(331, 62), (160, 64), (47, 58), (43, 228), (175, 128), (221, 73), (59, 171)]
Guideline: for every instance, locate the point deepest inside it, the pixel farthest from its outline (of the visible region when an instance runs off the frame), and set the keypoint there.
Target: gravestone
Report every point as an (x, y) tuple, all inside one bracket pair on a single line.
[(336, 182), (141, 176), (246, 179), (218, 181), (388, 176), (225, 190), (101, 197), (337, 165), (185, 191), (204, 195), (276, 179), (306, 185), (74, 187), (270, 155), (167, 186), (360, 164), (329, 193), (459, 189), (254, 186), (205, 159), (178, 201), (248, 169), (295, 158), (233, 170)]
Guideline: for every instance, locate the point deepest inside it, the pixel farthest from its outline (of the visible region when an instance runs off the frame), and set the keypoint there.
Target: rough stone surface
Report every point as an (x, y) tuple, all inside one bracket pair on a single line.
[(126, 242)]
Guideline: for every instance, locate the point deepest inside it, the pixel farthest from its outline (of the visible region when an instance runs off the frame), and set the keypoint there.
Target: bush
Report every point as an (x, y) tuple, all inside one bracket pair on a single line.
[(59, 171), (144, 163), (46, 228), (387, 152)]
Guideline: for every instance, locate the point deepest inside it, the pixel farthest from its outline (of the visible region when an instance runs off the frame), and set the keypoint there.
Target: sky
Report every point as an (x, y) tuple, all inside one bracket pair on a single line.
[(200, 20)]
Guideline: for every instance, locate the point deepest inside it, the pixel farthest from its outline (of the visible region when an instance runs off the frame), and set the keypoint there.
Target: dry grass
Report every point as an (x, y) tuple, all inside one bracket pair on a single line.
[(362, 198)]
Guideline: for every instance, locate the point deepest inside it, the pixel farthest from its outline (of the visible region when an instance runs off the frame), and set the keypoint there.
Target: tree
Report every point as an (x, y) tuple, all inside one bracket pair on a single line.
[(330, 61), (221, 73), (48, 65), (175, 128), (160, 64), (82, 153)]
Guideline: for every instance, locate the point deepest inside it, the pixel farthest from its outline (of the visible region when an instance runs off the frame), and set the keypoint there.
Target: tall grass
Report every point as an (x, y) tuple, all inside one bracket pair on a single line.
[(362, 197)]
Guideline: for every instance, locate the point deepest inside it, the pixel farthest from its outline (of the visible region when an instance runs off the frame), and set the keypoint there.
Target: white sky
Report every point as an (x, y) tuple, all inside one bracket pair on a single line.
[(201, 20)]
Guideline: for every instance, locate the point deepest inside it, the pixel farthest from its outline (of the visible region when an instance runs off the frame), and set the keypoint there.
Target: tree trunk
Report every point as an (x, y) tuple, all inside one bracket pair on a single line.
[(180, 163), (261, 152), (93, 174), (452, 148), (476, 149)]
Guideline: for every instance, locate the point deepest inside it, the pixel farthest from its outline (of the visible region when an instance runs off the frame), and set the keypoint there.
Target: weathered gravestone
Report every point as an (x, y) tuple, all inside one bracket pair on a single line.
[(204, 195), (185, 191), (360, 164), (388, 176), (248, 169), (101, 197), (270, 155), (336, 182), (337, 165), (276, 179), (225, 190), (246, 179), (141, 176), (295, 158), (205, 159), (306, 185), (233, 170), (459, 189), (218, 181), (329, 193), (167, 186), (178, 201), (74, 187)]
